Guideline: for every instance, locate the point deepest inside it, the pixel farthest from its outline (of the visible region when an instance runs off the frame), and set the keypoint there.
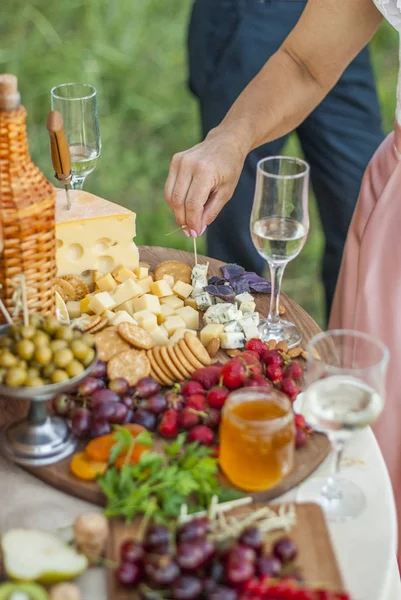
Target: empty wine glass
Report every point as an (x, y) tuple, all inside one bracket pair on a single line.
[(279, 228), (78, 106), (345, 385)]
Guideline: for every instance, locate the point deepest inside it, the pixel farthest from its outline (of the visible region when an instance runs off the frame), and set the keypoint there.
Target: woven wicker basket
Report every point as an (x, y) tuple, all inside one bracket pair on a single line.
[(27, 219)]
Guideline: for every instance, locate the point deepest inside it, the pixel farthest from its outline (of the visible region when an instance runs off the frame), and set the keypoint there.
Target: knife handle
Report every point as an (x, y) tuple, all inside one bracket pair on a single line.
[(59, 149)]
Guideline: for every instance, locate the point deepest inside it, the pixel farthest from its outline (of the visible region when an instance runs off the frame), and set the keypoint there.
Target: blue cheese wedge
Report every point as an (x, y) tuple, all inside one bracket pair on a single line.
[(244, 297), (222, 313), (248, 307), (232, 340), (233, 326), (199, 278), (251, 332), (249, 320), (204, 301)]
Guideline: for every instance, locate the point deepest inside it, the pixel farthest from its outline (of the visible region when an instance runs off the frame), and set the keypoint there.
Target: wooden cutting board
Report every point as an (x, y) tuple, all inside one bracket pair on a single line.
[(316, 559), (307, 459)]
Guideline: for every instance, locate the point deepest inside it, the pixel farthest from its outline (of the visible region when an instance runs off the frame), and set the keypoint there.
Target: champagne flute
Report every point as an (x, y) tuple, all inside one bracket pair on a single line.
[(78, 106), (345, 386), (279, 228)]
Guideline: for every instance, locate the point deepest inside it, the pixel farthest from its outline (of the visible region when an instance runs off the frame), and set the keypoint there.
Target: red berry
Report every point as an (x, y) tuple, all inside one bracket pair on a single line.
[(208, 376), (300, 437), (300, 421), (197, 402), (257, 346), (294, 371), (274, 373), (213, 418), (169, 424), (272, 357), (261, 381), (216, 397), (187, 418), (289, 387), (233, 374), (202, 434), (323, 595), (191, 387)]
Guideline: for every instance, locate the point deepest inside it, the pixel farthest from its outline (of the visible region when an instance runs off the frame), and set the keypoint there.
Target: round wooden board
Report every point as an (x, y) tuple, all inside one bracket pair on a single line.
[(307, 459)]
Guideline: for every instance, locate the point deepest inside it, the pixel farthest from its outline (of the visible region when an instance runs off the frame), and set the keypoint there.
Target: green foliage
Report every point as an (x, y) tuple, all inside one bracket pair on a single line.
[(133, 51)]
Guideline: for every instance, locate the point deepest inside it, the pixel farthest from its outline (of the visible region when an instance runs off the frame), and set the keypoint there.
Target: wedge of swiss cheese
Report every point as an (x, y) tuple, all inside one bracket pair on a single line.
[(95, 234)]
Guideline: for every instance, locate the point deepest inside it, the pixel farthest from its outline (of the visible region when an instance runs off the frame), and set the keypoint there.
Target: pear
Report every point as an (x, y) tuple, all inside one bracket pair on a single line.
[(31, 555), (22, 591)]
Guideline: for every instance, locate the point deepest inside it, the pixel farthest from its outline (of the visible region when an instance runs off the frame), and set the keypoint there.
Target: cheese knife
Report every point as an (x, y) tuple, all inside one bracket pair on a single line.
[(60, 151)]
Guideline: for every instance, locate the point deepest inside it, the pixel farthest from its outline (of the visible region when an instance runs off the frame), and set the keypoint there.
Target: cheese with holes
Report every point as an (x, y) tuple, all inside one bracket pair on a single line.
[(94, 234)]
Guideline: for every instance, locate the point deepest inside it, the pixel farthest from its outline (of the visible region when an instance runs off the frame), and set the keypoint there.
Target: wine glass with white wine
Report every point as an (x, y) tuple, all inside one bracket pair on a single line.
[(77, 104), (279, 228)]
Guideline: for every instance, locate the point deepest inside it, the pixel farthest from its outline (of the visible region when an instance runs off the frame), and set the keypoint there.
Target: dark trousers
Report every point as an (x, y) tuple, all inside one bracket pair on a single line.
[(229, 42)]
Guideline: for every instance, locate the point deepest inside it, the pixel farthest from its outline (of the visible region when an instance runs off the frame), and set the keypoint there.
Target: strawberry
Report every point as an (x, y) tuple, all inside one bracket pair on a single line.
[(294, 371), (169, 424), (202, 434), (188, 418), (300, 421), (216, 397), (289, 387), (191, 387), (251, 353), (300, 437), (213, 418), (257, 381), (207, 376), (274, 373), (233, 374), (272, 357), (197, 402), (252, 362), (257, 346)]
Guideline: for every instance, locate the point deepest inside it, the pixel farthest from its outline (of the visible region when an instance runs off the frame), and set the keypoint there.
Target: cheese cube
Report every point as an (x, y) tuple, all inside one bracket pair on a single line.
[(191, 302), (121, 316), (109, 314), (182, 290), (179, 334), (97, 275), (203, 301), (172, 301), (101, 302), (248, 307), (94, 234), (84, 304), (214, 330), (74, 309), (160, 288), (146, 319), (147, 302), (126, 291), (106, 283), (145, 284), (141, 272), (173, 323), (232, 340), (190, 316), (169, 279), (166, 311), (160, 336), (122, 274), (244, 297), (127, 306)]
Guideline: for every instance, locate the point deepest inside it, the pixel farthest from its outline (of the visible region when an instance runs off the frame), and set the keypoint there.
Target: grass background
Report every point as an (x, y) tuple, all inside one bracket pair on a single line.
[(133, 51)]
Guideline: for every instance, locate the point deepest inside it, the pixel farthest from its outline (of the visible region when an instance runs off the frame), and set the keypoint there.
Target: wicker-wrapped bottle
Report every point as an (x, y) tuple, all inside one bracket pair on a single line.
[(27, 211)]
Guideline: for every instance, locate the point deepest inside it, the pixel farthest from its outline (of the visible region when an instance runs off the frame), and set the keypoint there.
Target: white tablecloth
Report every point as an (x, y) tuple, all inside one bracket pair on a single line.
[(365, 547)]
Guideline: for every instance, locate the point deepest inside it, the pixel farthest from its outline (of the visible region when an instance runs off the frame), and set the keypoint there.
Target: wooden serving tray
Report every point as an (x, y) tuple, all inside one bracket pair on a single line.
[(307, 459), (316, 559)]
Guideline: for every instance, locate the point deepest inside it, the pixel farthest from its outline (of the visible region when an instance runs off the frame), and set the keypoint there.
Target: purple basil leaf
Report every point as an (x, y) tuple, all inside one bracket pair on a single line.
[(231, 271), (216, 280), (224, 292), (241, 285), (261, 287), (252, 278)]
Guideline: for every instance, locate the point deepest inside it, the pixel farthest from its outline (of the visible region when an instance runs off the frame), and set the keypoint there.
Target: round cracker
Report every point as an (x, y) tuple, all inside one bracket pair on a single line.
[(179, 270), (164, 355), (132, 365), (161, 364), (188, 354), (155, 377), (109, 343), (180, 367), (197, 348), (91, 322), (79, 285), (155, 367), (136, 336), (183, 360), (100, 325), (65, 289)]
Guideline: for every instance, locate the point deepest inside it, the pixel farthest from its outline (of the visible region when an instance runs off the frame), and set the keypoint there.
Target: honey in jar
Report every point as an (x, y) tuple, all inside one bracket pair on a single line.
[(257, 438)]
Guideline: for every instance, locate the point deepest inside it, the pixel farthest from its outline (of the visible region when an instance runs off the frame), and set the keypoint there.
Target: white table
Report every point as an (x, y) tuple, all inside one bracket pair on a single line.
[(365, 547)]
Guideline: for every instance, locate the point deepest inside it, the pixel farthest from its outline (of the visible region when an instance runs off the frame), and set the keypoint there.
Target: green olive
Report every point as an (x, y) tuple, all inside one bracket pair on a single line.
[(8, 360), (89, 358), (58, 344), (48, 370), (27, 331), (64, 333), (74, 368), (43, 355), (15, 377), (63, 357), (34, 381), (88, 339), (5, 341), (3, 373), (51, 325), (36, 321), (32, 372), (79, 349), (59, 375), (40, 338), (25, 349), (76, 334)]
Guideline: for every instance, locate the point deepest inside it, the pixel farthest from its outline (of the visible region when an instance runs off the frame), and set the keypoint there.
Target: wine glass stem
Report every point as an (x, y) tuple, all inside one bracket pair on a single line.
[(330, 489), (77, 183), (276, 276)]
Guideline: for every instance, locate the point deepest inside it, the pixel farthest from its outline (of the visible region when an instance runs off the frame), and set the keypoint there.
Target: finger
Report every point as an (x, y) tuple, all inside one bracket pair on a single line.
[(214, 206), (198, 195), (179, 194), (171, 178)]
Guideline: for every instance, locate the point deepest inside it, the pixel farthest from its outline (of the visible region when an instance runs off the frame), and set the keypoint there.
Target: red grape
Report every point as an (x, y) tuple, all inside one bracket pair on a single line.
[(187, 588), (156, 536), (252, 537), (147, 387), (131, 551), (129, 417), (104, 396), (156, 404), (163, 571), (61, 405), (99, 369), (191, 555), (128, 574), (120, 414), (129, 402), (268, 565), (88, 386), (119, 385), (146, 419), (105, 410), (223, 593), (239, 572), (285, 549), (81, 421), (100, 427), (193, 530), (213, 418)]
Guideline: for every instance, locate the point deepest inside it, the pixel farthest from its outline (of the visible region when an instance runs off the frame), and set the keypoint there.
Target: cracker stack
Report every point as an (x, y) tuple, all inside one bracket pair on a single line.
[(27, 211)]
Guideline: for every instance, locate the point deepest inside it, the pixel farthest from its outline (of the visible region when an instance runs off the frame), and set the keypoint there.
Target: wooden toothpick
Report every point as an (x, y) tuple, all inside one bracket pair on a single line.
[(4, 311), (195, 252), (24, 300)]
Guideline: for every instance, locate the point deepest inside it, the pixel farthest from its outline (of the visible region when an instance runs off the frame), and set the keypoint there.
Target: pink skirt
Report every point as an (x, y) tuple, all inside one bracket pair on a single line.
[(368, 294)]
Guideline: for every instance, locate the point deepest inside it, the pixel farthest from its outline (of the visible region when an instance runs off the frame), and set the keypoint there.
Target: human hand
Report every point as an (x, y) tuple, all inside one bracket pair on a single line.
[(202, 180)]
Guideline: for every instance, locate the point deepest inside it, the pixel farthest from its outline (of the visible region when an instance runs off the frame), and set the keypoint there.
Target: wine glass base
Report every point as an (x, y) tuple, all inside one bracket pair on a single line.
[(348, 505), (287, 332)]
